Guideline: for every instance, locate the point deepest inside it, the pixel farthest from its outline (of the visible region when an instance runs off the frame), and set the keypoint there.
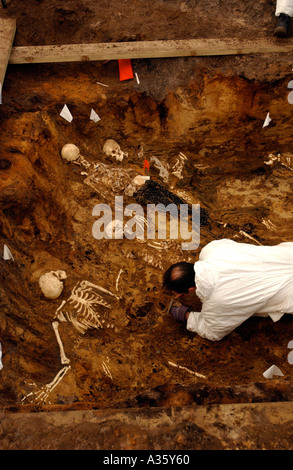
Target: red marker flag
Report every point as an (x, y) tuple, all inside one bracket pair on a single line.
[(146, 165), (125, 69)]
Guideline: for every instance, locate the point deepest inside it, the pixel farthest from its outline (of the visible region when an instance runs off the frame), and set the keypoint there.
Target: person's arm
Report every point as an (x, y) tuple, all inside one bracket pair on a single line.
[(214, 322), (180, 313), (209, 326)]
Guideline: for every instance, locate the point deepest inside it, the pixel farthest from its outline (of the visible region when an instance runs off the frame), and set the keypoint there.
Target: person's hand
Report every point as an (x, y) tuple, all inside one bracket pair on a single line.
[(178, 313)]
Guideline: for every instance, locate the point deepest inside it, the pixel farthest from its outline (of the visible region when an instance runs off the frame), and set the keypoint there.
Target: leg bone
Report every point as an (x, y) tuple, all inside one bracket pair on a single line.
[(64, 359)]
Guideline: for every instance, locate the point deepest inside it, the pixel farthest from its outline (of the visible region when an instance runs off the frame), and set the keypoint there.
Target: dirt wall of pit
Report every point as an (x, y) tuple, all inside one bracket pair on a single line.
[(199, 123)]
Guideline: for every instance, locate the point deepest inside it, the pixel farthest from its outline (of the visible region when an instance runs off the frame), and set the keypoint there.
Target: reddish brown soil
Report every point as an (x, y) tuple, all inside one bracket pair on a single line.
[(211, 109)]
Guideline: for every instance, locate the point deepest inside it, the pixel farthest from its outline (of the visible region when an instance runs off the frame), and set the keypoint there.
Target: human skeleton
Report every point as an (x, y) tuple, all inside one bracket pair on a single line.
[(84, 310)]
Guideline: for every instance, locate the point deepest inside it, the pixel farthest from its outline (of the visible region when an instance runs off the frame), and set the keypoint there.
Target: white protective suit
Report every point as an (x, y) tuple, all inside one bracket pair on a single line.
[(237, 280), (284, 6)]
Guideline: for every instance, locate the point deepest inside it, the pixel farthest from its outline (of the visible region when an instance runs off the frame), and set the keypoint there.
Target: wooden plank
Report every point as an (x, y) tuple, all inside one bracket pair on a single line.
[(232, 426), (147, 49), (7, 33)]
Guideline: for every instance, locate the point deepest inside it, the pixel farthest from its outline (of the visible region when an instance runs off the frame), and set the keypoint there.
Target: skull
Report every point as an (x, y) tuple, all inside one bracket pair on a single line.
[(70, 152), (51, 285), (112, 149)]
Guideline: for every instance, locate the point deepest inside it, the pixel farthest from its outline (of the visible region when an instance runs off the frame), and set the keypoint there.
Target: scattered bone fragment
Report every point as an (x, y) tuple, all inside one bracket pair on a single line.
[(102, 84), (250, 237), (156, 245), (164, 169), (183, 156), (285, 159), (187, 370), (107, 370), (118, 277), (269, 225), (179, 165)]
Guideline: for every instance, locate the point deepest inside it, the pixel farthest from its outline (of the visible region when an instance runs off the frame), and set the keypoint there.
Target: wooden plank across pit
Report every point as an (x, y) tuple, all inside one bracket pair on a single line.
[(147, 49), (7, 33), (129, 50)]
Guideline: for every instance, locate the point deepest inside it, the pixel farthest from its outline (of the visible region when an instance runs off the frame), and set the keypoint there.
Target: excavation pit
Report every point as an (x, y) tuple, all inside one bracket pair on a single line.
[(199, 123)]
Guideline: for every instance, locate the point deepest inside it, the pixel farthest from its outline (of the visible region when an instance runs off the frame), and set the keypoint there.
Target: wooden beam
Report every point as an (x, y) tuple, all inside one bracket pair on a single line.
[(7, 32), (147, 49), (241, 426)]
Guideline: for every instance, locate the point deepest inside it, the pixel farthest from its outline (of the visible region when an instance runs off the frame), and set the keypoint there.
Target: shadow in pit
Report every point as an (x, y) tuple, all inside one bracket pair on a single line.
[(202, 394)]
